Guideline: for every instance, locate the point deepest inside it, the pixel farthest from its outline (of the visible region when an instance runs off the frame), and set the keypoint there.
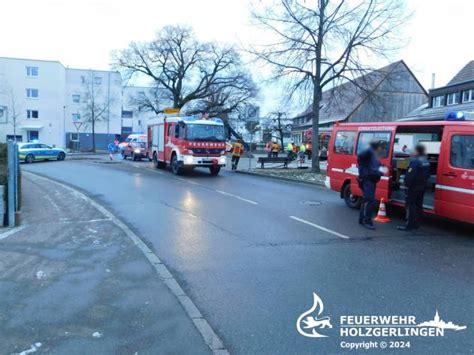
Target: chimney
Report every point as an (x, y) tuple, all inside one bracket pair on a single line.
[(433, 79)]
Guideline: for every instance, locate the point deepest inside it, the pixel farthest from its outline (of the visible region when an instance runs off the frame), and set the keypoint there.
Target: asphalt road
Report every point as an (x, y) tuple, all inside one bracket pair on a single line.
[(250, 252)]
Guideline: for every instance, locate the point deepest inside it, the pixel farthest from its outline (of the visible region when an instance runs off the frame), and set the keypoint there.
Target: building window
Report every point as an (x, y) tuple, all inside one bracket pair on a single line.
[(83, 79), (468, 95), (127, 114), (32, 93), (76, 98), (76, 117), (97, 80), (74, 137), (32, 114), (438, 101), (32, 71), (454, 98)]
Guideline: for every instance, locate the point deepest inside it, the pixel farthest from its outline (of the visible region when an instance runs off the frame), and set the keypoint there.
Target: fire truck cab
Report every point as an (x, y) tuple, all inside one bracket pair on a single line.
[(186, 142), (450, 149)]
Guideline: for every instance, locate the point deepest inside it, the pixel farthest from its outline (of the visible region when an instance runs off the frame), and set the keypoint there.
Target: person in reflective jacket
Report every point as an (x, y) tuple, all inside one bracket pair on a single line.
[(416, 180), (369, 175), (237, 151)]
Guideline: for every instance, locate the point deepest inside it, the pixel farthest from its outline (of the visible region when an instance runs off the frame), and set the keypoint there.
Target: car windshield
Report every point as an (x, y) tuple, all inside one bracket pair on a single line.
[(205, 132)]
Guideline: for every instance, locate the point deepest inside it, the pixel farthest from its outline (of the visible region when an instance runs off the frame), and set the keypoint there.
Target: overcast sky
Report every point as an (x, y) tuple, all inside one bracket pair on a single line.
[(82, 33)]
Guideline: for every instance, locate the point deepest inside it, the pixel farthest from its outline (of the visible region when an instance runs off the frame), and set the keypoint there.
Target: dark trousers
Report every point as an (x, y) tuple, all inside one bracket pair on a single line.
[(414, 207), (274, 154), (235, 162), (368, 201)]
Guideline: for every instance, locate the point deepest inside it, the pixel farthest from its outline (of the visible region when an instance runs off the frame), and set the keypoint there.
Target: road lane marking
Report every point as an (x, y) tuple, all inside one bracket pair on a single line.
[(154, 171), (237, 197), (11, 232), (320, 227), (202, 325), (188, 181)]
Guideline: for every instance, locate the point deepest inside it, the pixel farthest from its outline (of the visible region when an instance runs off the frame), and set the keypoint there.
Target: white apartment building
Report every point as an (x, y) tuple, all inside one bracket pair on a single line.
[(32, 100), (92, 96), (43, 100)]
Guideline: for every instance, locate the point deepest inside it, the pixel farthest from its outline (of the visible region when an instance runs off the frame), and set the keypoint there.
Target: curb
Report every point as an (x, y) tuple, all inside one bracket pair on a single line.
[(280, 178), (202, 325)]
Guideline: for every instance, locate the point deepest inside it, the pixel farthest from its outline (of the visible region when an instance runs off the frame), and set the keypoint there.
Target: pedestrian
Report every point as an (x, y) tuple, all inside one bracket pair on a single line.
[(111, 148), (237, 150), (289, 150), (268, 148), (302, 152), (369, 175), (275, 149), (416, 180)]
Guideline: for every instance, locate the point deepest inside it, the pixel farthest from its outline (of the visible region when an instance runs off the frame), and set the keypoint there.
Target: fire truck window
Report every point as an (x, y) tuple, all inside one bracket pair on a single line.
[(366, 137), (462, 151), (344, 142), (170, 127)]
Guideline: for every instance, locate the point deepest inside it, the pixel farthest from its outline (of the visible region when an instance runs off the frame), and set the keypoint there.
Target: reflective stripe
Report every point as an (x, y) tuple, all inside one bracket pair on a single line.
[(338, 170), (456, 189)]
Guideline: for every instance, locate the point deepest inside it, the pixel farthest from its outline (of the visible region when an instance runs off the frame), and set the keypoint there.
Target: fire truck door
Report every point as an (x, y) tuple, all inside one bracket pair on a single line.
[(455, 178)]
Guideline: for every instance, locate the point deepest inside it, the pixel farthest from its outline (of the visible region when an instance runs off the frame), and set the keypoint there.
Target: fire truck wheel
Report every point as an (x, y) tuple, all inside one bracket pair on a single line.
[(158, 164), (215, 170), (175, 168), (351, 200)]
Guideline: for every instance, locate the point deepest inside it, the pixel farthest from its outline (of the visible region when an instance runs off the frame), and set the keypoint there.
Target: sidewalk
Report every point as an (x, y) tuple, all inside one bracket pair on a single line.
[(73, 282)]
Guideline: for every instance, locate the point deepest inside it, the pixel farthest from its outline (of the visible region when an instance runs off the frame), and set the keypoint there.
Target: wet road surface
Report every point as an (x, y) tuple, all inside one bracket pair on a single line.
[(250, 252)]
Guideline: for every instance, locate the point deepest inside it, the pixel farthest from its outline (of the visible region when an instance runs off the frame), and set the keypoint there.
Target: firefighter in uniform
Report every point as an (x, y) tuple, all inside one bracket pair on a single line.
[(416, 180), (237, 150), (369, 175), (275, 149)]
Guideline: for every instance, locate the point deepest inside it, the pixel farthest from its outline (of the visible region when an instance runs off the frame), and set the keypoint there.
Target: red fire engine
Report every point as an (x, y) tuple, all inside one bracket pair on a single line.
[(186, 142), (324, 136), (450, 149)]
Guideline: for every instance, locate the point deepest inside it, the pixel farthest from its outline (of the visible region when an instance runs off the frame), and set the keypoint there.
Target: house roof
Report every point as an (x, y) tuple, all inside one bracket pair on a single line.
[(465, 74), (424, 113), (340, 102)]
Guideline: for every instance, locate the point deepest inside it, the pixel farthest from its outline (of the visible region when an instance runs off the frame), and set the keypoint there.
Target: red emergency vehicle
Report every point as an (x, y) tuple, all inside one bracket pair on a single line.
[(450, 149), (186, 142), (324, 137)]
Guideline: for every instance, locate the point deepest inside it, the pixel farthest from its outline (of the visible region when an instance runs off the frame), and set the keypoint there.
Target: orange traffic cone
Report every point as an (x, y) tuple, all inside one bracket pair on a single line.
[(382, 214)]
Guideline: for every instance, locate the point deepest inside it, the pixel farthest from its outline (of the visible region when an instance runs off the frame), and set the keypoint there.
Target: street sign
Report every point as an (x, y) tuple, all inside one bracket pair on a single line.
[(251, 113), (77, 124)]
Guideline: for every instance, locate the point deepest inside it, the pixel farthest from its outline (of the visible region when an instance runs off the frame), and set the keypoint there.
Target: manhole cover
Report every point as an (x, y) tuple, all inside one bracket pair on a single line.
[(311, 203)]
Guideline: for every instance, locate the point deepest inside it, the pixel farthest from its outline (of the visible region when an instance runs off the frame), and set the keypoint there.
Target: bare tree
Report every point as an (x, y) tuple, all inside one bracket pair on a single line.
[(278, 124), (95, 105), (12, 108), (190, 74), (152, 100), (321, 43)]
